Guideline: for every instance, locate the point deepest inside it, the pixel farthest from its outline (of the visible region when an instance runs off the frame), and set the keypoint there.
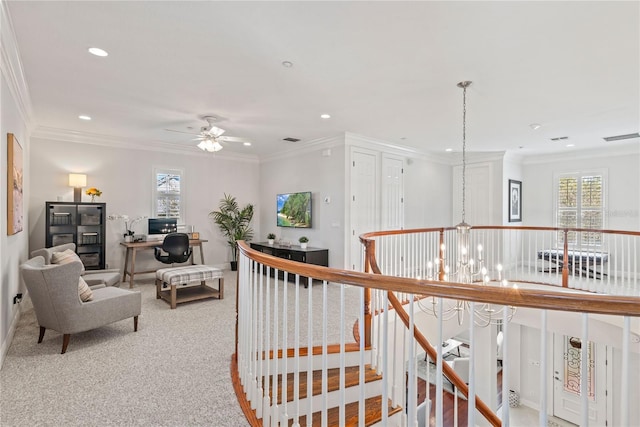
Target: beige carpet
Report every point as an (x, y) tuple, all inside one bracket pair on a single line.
[(173, 372)]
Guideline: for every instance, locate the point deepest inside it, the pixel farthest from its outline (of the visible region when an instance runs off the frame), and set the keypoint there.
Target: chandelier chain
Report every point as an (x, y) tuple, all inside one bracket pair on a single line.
[(464, 149)]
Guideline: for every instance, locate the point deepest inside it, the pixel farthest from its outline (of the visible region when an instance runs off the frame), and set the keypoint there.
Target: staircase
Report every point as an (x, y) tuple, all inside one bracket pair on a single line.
[(308, 392)]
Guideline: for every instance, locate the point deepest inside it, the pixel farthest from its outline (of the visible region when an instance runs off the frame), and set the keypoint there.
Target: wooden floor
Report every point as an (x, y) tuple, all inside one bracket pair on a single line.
[(448, 404)]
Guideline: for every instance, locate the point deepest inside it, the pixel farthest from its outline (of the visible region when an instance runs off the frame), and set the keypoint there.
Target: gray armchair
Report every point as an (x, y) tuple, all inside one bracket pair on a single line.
[(109, 277), (54, 293)]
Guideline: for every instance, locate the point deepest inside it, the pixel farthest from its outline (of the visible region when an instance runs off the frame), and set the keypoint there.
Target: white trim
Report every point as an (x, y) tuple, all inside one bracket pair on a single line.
[(579, 174), (12, 330), (11, 66), (305, 147), (356, 140), (66, 135), (154, 192), (606, 151)]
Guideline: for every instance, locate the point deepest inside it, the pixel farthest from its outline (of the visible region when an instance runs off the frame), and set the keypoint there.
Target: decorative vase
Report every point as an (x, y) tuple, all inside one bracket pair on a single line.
[(303, 245), (234, 265), (128, 238), (270, 241), (93, 199)]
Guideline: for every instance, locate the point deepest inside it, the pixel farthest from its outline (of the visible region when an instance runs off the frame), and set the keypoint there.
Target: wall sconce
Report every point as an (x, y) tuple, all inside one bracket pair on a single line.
[(77, 181)]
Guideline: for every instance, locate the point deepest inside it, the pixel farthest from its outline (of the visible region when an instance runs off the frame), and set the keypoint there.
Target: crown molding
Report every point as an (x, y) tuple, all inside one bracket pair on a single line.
[(305, 148), (66, 135), (631, 149), (11, 66), (356, 140)]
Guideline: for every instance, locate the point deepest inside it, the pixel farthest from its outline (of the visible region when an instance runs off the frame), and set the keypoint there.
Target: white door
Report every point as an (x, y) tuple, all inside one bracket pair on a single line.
[(566, 383), (364, 203), (392, 193)]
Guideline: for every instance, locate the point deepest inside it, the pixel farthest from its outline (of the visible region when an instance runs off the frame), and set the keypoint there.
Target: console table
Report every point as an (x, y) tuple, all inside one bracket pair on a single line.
[(316, 256), (133, 247)]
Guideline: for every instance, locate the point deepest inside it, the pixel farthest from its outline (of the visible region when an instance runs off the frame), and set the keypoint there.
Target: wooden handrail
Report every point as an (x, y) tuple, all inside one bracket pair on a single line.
[(547, 299)]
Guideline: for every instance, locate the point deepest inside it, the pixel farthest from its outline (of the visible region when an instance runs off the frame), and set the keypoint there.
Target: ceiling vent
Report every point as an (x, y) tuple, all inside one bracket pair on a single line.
[(290, 139), (560, 138), (622, 137)]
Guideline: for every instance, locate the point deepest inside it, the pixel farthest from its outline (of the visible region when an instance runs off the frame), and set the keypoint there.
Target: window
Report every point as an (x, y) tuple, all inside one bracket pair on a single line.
[(168, 194), (580, 200)]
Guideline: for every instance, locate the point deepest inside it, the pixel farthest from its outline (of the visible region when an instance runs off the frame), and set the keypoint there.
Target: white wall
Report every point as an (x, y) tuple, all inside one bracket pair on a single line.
[(308, 170), (125, 177), (623, 186), (13, 249), (427, 188)]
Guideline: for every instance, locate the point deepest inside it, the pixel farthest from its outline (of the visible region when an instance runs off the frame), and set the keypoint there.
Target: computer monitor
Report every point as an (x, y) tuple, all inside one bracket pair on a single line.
[(162, 225)]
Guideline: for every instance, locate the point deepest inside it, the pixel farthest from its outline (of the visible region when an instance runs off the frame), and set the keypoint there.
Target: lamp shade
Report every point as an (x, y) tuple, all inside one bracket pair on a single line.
[(77, 180)]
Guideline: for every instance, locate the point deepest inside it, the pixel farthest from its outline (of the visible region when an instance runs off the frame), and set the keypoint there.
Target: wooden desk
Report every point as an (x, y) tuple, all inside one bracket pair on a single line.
[(133, 247)]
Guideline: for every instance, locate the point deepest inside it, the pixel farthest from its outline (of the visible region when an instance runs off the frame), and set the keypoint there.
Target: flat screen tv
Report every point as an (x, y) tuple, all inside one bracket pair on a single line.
[(163, 225), (294, 210)]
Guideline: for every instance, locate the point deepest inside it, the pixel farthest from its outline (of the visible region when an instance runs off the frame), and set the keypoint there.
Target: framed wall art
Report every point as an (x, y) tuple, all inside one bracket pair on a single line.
[(15, 174), (515, 201)]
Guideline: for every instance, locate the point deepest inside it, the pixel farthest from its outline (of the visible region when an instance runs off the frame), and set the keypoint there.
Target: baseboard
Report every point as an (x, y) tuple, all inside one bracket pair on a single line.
[(529, 403), (12, 330)]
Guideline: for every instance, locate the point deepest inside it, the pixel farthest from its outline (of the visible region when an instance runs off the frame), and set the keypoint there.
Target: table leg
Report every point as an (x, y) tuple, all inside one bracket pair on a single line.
[(173, 296), (126, 263), (133, 267), (201, 254)]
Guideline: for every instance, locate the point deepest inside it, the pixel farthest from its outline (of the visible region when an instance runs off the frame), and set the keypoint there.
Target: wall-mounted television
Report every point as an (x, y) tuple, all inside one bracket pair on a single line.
[(294, 210), (163, 225)]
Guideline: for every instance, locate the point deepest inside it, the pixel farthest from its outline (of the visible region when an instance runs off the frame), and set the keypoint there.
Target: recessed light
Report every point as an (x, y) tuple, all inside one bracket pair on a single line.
[(448, 150), (325, 116), (97, 51), (246, 144), (535, 126), (571, 145), (287, 64), (83, 117)]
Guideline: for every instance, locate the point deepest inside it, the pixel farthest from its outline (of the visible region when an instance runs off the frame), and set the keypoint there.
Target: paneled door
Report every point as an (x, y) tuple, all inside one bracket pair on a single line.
[(364, 203), (566, 383)]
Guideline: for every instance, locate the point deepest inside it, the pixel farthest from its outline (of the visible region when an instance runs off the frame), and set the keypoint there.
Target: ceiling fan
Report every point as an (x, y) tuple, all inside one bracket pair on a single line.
[(210, 136)]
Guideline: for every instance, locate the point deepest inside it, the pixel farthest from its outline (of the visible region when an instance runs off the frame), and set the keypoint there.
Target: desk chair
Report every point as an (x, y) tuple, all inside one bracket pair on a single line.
[(176, 246)]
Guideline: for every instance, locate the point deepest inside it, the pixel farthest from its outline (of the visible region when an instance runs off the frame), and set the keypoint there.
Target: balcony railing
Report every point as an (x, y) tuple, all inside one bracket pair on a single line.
[(287, 331)]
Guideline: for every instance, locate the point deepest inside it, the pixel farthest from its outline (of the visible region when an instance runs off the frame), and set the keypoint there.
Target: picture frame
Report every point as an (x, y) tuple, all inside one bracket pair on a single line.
[(15, 182), (515, 200)]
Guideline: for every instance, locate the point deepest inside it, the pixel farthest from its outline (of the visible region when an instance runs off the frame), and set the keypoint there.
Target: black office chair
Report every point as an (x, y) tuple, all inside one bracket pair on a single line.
[(176, 245)]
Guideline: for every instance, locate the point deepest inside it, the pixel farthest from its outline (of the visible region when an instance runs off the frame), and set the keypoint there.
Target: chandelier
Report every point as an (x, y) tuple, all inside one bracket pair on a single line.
[(468, 270)]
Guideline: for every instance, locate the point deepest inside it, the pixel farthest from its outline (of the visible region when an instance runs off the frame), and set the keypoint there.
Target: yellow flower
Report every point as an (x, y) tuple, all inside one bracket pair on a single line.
[(93, 191)]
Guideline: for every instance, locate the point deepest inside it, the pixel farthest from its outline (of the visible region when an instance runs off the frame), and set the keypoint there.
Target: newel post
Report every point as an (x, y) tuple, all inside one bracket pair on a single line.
[(370, 251)]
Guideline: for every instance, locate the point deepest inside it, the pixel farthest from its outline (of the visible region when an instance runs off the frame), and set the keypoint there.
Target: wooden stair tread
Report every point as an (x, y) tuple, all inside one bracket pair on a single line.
[(372, 413), (351, 379)]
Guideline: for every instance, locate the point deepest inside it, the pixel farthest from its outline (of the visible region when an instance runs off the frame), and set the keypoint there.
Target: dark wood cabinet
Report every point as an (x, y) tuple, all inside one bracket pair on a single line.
[(79, 223), (316, 256)]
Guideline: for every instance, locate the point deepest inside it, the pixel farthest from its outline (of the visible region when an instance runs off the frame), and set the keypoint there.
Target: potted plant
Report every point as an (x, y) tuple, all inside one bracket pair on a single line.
[(303, 242), (234, 223), (271, 238)]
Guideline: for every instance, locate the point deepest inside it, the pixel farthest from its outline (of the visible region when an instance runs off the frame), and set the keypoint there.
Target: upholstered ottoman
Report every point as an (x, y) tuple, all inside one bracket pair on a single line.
[(184, 279)]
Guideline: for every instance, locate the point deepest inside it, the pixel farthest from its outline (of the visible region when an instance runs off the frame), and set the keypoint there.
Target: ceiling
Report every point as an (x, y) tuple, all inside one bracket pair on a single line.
[(385, 70)]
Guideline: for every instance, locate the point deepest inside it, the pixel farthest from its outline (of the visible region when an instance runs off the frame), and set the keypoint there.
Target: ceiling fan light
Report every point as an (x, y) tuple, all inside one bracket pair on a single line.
[(202, 145), (215, 146)]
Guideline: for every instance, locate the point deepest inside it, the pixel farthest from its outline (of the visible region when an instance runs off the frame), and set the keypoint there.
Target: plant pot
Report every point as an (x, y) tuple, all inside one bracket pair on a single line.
[(270, 241), (234, 265), (303, 245)]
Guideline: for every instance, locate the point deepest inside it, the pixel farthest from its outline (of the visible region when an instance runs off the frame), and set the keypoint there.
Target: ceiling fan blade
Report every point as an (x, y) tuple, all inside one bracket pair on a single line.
[(179, 131), (233, 139)]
